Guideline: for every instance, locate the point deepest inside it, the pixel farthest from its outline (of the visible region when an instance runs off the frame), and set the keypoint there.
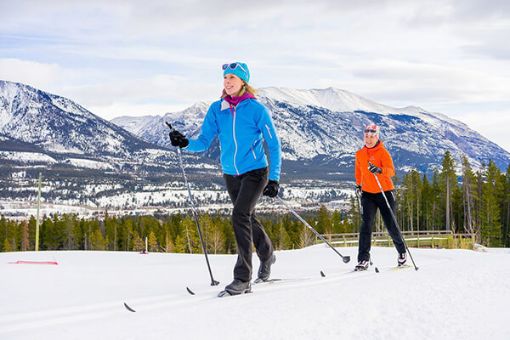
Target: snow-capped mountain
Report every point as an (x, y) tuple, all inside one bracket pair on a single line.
[(153, 128), (88, 161), (324, 126), (60, 126)]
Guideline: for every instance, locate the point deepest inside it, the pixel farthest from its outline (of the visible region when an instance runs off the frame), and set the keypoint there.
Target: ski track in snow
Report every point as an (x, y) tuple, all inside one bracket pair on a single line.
[(456, 294)]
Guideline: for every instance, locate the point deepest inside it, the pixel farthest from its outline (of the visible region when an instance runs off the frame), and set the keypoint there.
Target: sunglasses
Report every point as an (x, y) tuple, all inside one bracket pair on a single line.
[(232, 66), (370, 131)]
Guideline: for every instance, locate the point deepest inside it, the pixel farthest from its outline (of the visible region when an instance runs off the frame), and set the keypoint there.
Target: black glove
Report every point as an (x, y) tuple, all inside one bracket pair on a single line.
[(358, 190), (374, 169), (271, 188), (178, 139)]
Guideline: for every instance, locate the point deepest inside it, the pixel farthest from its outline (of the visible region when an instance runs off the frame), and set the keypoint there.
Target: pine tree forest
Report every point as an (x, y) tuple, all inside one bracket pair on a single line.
[(476, 203)]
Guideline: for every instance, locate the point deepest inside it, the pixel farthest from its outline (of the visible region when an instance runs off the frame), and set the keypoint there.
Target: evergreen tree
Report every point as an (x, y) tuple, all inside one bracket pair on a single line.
[(406, 197), (324, 225), (181, 245), (10, 243), (153, 242), (478, 201), (283, 238), (97, 241), (69, 222), (336, 221), (354, 214), (448, 184), (25, 241), (213, 234), (506, 209), (437, 207), (491, 223), (426, 204), (7, 245), (31, 232), (169, 244), (111, 227), (468, 199), (3, 232), (138, 243)]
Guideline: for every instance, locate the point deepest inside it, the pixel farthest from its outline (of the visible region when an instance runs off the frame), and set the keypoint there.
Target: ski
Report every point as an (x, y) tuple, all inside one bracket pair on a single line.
[(395, 268), (129, 308), (223, 293), (226, 293), (404, 266), (258, 282)]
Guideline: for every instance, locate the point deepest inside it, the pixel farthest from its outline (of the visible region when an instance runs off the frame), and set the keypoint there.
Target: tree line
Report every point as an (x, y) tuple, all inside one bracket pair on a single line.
[(476, 203), (174, 233)]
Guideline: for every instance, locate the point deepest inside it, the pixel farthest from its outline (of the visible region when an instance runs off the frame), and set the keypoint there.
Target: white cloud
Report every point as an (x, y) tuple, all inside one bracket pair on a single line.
[(126, 56), (32, 73)]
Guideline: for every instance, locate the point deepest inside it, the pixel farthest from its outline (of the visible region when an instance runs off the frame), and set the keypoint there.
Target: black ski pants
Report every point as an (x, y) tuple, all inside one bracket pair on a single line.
[(370, 203), (244, 191)]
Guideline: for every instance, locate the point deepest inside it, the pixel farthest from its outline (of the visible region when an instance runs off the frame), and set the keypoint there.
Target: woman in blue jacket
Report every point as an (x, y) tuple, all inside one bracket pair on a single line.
[(242, 123)]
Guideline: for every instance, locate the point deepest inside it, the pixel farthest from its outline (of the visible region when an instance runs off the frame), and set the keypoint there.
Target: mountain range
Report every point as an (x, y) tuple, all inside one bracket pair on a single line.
[(320, 130), (324, 127)]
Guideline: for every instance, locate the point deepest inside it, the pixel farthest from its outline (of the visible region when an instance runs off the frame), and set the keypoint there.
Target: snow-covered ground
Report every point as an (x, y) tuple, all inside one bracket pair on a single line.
[(456, 294)]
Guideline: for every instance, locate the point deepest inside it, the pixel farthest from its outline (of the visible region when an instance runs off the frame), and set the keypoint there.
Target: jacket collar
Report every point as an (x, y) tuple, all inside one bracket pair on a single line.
[(377, 145), (226, 105)]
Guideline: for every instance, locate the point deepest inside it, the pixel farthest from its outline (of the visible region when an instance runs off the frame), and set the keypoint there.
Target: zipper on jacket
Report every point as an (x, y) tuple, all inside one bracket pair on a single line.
[(233, 109)]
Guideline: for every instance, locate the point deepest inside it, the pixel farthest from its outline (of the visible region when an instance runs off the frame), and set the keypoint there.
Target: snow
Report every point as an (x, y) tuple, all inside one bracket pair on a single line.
[(59, 148), (134, 124), (338, 100), (332, 99), (88, 163), (29, 157), (456, 294)]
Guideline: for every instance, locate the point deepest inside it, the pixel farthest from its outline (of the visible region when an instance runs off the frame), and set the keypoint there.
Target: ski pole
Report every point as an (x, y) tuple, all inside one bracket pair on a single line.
[(394, 218), (194, 211), (344, 258)]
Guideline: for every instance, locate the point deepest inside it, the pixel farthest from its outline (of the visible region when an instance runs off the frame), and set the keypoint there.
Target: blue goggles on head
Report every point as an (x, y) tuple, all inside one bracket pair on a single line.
[(232, 66)]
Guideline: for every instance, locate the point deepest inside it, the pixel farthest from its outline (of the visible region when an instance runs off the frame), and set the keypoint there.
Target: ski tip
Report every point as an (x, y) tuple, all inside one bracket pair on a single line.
[(129, 308), (169, 125), (224, 293), (190, 291), (322, 274)]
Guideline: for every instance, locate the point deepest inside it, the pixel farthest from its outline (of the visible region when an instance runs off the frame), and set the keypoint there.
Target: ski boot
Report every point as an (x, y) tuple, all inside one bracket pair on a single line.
[(237, 287), (265, 269), (402, 259), (362, 265)]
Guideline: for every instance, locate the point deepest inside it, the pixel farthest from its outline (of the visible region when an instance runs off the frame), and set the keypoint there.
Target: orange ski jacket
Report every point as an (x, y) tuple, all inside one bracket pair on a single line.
[(378, 156)]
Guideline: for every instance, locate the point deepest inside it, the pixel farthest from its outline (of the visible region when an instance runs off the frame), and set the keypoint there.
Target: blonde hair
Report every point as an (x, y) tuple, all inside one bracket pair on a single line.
[(246, 88)]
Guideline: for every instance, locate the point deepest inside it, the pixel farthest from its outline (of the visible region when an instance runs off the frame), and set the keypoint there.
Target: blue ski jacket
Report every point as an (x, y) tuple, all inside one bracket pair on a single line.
[(241, 130)]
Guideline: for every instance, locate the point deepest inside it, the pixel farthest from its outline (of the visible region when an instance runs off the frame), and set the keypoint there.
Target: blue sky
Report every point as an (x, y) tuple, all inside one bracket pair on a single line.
[(151, 57)]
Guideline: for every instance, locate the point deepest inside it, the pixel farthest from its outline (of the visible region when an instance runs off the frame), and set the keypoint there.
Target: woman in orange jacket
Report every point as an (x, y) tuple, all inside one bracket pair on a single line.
[(374, 160)]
